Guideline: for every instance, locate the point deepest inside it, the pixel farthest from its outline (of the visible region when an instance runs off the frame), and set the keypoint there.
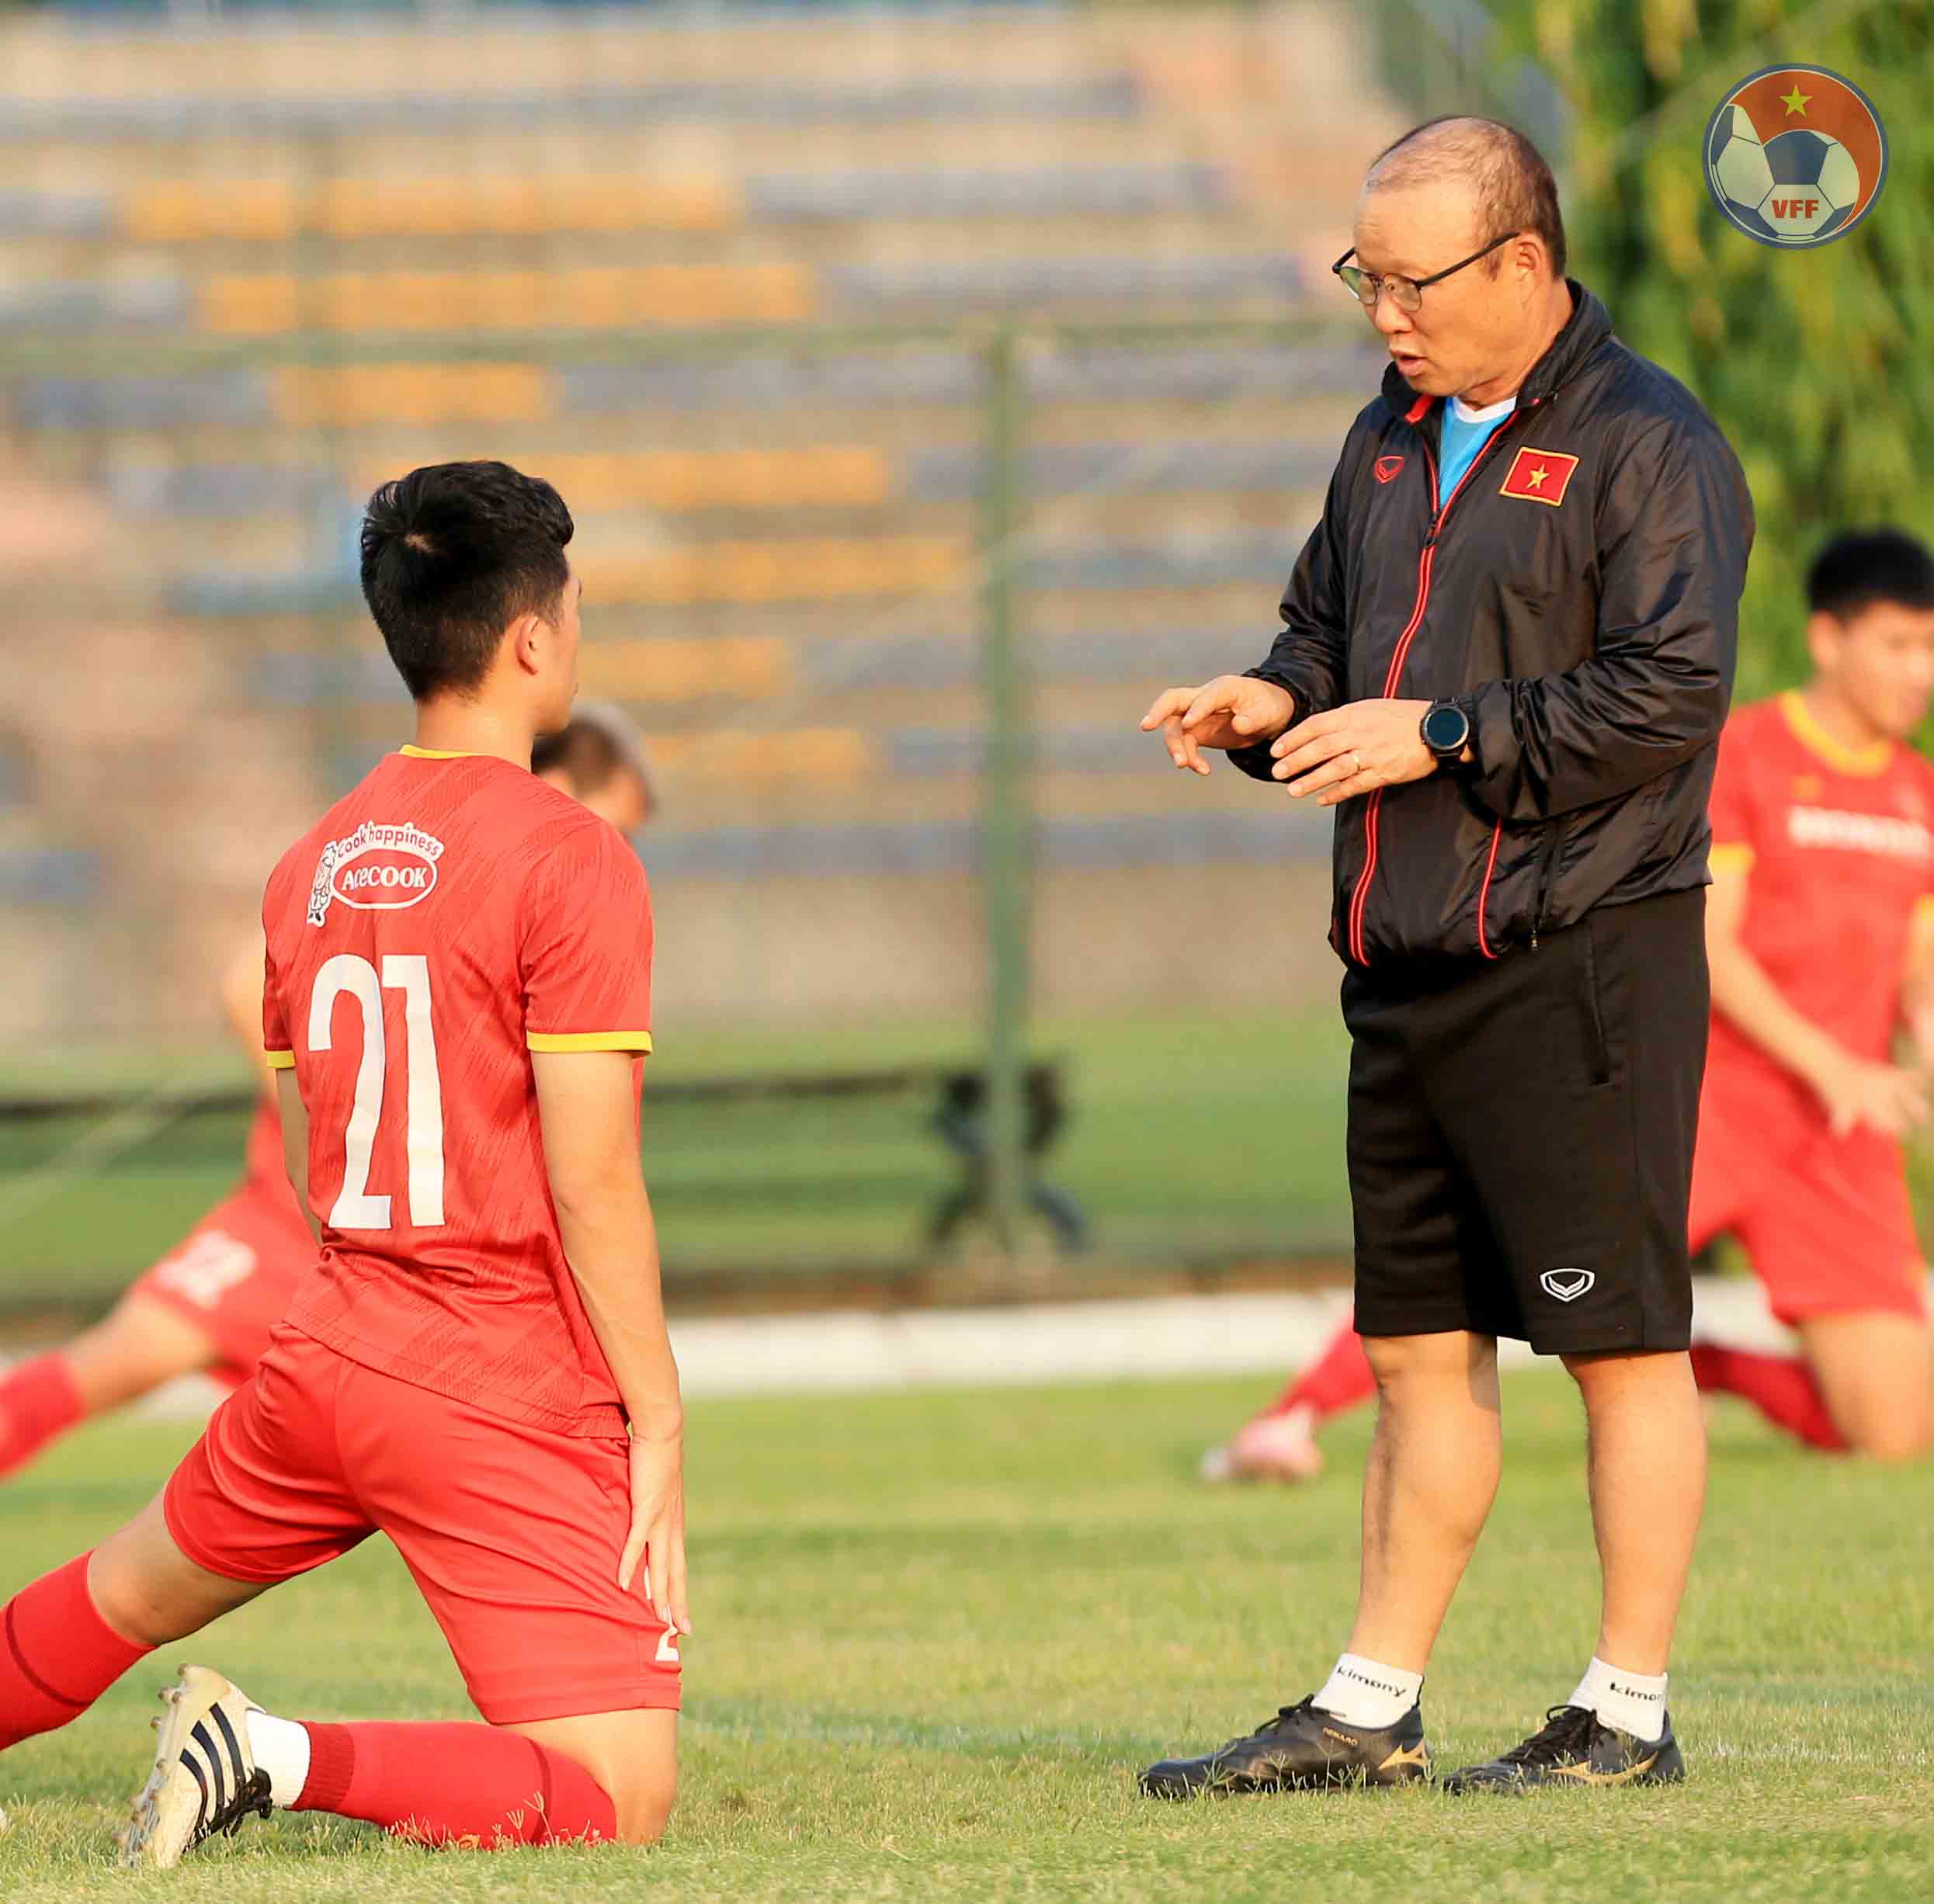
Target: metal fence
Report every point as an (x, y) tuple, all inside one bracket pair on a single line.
[(923, 410), (910, 832)]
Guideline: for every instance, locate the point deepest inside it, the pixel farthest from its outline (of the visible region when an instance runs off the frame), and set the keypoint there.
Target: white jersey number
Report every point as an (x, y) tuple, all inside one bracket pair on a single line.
[(355, 1208)]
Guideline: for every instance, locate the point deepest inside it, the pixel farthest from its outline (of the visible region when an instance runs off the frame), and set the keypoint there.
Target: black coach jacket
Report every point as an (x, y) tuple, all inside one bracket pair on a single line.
[(1579, 594)]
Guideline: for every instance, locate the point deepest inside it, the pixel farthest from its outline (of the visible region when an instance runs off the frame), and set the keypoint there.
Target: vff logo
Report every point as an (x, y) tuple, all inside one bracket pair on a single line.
[(1567, 1284)]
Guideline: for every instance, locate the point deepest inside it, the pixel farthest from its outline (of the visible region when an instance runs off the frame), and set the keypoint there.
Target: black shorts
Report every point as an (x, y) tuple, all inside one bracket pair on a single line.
[(1521, 1135)]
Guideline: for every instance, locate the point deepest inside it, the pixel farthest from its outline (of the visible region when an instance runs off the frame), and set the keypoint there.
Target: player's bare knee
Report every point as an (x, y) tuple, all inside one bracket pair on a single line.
[(129, 1605), (643, 1805), (1892, 1444), (135, 1347), (110, 1362)]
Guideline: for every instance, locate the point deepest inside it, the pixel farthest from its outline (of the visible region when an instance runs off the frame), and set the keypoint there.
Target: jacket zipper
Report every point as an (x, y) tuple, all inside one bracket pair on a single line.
[(1360, 898), (1551, 847)]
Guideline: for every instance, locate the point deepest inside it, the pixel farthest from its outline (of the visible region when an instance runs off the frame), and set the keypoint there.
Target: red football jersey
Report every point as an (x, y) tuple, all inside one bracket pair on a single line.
[(449, 917), (1839, 845)]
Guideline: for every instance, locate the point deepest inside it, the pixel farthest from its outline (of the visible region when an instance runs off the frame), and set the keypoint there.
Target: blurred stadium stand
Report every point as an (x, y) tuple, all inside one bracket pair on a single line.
[(255, 267)]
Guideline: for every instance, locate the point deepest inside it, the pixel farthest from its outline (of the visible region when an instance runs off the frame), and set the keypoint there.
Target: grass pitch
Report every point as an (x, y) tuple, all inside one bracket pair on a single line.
[(938, 1633)]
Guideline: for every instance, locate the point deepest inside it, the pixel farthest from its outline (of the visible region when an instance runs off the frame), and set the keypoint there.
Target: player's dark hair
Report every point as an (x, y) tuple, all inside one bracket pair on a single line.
[(1515, 189), (585, 753), (452, 555), (1862, 568)]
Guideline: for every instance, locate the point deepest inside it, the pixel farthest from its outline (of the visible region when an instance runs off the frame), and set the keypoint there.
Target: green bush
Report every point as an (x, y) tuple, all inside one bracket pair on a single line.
[(1819, 364)]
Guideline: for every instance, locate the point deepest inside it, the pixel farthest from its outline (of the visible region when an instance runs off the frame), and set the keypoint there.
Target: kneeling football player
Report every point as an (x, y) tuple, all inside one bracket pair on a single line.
[(457, 999)]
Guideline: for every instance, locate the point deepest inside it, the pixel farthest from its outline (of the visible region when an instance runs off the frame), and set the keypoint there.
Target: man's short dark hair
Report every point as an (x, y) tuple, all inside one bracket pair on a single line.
[(1516, 190), (452, 555), (585, 753), (1862, 568)]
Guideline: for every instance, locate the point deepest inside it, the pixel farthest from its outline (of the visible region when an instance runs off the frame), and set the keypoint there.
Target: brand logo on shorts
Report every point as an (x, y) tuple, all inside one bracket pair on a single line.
[(375, 868), (1567, 1284)]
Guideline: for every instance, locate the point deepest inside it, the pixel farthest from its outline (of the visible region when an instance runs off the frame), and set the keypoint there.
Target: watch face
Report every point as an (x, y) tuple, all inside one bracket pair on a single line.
[(1446, 728)]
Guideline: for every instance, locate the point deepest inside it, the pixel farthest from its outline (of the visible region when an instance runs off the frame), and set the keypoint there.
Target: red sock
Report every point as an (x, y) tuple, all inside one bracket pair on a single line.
[(37, 1400), (453, 1783), (1338, 1379), (57, 1655), (1781, 1387)]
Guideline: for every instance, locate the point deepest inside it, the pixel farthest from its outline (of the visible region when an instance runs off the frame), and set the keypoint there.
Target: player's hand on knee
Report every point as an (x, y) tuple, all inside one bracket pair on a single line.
[(1882, 1097), (657, 1536), (1232, 711)]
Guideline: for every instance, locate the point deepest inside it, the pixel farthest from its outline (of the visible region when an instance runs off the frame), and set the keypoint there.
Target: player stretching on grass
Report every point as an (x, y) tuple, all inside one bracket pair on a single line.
[(210, 1302), (457, 994), (1819, 931)]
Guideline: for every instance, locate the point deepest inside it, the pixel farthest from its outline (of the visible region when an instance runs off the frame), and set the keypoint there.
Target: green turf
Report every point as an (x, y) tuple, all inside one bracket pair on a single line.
[(937, 1634), (1189, 1140)]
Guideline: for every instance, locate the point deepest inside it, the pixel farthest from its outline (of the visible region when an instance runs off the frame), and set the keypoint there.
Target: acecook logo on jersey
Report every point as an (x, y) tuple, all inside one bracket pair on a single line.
[(378, 868)]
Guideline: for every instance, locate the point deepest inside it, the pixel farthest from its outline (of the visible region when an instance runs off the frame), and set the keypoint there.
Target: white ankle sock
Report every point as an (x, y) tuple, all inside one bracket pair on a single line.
[(1633, 1702), (281, 1747), (1361, 1692)]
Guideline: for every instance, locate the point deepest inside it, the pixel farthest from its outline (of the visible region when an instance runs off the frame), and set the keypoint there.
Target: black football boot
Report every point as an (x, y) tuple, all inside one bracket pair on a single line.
[(1303, 1749), (1574, 1747)]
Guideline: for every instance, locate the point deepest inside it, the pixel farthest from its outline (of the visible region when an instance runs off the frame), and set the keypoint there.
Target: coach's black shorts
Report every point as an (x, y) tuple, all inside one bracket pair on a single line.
[(1521, 1135)]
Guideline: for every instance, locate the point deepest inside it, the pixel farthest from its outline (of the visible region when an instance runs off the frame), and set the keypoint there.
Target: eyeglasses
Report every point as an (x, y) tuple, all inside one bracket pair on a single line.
[(1406, 293)]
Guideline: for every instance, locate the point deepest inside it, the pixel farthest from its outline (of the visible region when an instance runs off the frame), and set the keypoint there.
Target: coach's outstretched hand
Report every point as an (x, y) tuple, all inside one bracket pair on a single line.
[(658, 1528), (1232, 711)]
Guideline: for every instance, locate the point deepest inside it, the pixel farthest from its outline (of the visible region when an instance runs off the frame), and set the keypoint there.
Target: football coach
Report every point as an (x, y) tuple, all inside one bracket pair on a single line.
[(1507, 652)]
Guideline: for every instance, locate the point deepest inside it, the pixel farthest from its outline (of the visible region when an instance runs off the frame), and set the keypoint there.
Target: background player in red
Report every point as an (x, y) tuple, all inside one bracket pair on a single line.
[(1820, 931), (457, 1000), (210, 1302)]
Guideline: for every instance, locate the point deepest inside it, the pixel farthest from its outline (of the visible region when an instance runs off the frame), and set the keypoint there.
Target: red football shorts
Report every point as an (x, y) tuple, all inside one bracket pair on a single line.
[(1826, 1220), (233, 1274), (513, 1533)]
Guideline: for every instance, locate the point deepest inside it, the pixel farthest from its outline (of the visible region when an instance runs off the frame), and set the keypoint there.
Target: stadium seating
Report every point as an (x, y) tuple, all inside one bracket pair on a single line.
[(254, 271)]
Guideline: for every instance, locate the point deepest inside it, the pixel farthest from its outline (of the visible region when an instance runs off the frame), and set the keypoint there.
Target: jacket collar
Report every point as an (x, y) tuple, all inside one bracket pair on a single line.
[(1588, 327)]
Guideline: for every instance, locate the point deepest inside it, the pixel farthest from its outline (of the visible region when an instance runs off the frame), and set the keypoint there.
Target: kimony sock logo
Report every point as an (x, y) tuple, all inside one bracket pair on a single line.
[(1796, 156)]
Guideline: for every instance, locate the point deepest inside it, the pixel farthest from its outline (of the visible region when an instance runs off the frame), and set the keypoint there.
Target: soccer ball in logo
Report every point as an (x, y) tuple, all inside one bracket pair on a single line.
[(1742, 175), (1815, 184), (1795, 156)]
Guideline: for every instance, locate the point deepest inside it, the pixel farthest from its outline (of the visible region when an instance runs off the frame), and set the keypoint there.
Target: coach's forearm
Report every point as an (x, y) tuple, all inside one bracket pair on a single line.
[(611, 1243), (1751, 1001)]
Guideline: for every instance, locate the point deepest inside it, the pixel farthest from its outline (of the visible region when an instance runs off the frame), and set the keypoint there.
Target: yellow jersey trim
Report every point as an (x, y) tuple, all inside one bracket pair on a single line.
[(588, 1041), (1730, 856), (1924, 909), (280, 1060), (431, 753), (1864, 762)]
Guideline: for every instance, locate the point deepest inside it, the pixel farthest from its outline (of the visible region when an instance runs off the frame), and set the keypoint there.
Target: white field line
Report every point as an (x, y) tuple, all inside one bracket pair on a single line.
[(852, 1351)]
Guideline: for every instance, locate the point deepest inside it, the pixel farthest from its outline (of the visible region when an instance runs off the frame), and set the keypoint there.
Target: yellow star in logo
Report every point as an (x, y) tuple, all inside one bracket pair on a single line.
[(1536, 477), (1795, 100)]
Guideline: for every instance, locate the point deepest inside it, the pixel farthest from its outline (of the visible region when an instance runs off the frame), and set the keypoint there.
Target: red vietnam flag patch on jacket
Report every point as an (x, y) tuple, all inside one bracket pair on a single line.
[(1539, 475)]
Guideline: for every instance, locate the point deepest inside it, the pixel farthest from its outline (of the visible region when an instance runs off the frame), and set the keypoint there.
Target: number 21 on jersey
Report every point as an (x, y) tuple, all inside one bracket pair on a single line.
[(355, 1208)]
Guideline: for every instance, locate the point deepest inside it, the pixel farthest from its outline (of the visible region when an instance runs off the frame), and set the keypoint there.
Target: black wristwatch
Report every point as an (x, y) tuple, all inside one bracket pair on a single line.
[(1445, 729)]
